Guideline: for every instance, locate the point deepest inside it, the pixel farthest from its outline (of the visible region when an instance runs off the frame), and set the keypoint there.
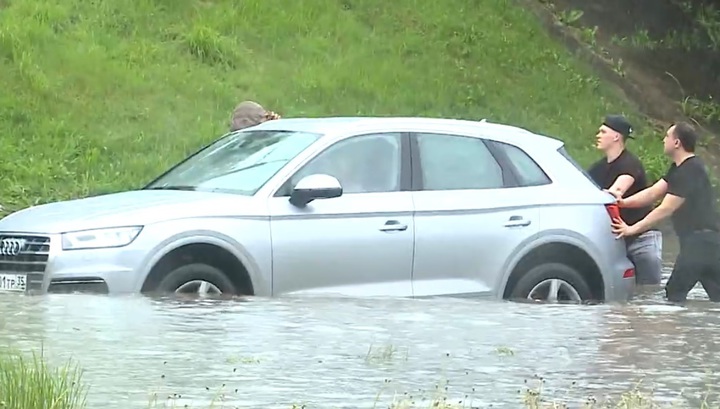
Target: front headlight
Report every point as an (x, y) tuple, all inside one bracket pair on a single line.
[(100, 238)]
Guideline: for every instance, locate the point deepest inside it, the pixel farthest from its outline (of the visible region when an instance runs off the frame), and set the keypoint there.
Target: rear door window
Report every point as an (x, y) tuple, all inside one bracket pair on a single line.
[(454, 162)]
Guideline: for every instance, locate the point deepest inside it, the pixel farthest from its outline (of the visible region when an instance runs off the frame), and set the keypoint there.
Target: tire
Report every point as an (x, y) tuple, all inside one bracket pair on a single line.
[(566, 274), (175, 279)]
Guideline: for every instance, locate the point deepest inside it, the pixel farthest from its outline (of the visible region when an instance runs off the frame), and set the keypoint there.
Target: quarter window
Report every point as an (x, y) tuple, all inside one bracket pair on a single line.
[(451, 162), (528, 171), (363, 164)]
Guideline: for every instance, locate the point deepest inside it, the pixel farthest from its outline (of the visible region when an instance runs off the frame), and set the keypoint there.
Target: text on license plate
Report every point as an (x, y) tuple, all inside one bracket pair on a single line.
[(13, 282)]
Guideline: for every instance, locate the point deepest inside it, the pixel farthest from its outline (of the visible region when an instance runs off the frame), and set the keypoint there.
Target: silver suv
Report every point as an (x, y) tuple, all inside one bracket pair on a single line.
[(351, 206)]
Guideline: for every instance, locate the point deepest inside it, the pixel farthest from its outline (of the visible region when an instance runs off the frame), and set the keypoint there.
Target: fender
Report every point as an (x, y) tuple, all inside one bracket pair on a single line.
[(204, 237), (546, 237)]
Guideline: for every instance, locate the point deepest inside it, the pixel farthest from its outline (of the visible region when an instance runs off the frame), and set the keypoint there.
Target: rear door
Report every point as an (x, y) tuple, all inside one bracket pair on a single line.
[(470, 211)]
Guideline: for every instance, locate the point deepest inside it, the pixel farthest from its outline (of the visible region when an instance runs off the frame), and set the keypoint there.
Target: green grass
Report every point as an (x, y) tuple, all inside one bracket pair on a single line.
[(103, 95), (30, 383)]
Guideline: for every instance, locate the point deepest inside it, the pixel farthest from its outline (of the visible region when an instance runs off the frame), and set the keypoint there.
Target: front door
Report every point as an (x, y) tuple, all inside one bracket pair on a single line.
[(358, 244)]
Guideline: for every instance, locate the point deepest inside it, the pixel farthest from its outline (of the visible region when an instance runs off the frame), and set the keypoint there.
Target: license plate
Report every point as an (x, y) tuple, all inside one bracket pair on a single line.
[(13, 282)]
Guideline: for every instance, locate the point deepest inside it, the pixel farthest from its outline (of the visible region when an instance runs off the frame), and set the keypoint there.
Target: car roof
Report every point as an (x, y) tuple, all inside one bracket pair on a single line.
[(328, 125)]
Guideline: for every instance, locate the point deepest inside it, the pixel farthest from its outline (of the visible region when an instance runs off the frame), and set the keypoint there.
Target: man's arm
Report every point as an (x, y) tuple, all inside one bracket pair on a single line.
[(646, 196), (678, 187), (669, 204), (621, 185), (628, 169)]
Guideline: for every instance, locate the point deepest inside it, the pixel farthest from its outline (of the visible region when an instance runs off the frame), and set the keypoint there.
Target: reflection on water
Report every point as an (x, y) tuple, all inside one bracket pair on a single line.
[(343, 352)]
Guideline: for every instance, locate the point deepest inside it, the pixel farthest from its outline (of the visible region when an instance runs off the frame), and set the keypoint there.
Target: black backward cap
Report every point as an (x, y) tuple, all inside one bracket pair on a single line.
[(619, 124)]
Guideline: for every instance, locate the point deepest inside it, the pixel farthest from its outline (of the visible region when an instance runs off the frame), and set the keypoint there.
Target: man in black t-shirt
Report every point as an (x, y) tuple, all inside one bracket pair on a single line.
[(690, 201), (622, 174)]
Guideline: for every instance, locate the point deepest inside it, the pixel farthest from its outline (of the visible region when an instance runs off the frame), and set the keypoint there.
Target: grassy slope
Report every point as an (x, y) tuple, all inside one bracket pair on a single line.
[(104, 94)]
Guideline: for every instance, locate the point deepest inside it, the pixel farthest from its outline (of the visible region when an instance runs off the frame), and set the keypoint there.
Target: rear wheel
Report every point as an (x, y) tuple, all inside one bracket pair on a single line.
[(197, 279), (552, 282)]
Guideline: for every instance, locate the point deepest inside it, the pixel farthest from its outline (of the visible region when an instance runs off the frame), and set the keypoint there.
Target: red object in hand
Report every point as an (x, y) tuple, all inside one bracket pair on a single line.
[(614, 211)]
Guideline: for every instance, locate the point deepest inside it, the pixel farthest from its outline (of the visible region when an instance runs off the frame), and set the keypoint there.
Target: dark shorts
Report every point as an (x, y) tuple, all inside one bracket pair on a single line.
[(698, 261)]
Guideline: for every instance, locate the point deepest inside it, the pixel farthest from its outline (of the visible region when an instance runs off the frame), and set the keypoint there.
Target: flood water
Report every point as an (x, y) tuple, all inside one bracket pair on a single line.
[(343, 352)]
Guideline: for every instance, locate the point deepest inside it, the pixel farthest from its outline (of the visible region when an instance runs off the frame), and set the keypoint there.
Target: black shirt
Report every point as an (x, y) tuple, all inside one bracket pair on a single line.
[(604, 174), (691, 182)]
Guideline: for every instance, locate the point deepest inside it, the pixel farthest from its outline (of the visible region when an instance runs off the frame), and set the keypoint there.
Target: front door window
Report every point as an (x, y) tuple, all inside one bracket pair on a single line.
[(363, 164)]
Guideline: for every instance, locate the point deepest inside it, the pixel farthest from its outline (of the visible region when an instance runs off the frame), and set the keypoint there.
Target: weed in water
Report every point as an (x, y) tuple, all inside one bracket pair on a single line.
[(33, 384), (242, 360), (504, 351), (385, 353), (100, 96)]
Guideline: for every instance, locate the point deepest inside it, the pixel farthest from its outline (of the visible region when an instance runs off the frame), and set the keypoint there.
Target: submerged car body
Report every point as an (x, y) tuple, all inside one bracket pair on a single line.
[(353, 206)]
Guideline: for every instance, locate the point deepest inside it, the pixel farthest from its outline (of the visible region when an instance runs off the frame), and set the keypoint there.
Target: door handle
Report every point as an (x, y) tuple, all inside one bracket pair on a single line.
[(393, 225), (517, 221)]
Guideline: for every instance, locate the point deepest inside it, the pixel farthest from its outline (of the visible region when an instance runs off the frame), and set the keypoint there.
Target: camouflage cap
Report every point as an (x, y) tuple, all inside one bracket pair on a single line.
[(247, 114)]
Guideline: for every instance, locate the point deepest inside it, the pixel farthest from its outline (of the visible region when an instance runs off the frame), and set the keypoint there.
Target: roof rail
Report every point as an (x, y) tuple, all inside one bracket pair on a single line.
[(483, 120)]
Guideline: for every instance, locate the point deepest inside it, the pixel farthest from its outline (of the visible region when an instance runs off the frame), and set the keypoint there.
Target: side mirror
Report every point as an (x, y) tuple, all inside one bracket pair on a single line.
[(311, 187)]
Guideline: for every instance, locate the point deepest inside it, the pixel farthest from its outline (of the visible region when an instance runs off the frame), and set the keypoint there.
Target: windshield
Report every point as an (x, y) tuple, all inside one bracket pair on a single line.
[(240, 162)]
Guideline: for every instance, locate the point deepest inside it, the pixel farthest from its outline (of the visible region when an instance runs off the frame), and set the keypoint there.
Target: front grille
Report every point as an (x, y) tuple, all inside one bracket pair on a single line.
[(25, 254)]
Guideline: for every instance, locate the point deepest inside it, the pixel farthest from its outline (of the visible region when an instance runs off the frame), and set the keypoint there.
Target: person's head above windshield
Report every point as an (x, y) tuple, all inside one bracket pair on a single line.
[(250, 113), (240, 162)]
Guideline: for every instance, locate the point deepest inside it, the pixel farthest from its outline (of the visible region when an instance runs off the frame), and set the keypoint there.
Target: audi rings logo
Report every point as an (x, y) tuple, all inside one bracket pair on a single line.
[(11, 247)]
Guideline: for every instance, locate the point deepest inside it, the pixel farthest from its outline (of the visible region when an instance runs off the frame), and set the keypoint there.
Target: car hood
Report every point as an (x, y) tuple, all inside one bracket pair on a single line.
[(138, 207)]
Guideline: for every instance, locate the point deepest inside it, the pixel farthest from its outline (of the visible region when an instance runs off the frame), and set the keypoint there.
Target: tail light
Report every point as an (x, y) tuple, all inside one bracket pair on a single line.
[(613, 210), (629, 273)]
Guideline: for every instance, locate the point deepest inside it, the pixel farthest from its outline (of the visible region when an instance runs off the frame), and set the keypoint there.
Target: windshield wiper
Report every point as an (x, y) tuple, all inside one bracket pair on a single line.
[(173, 187), (254, 165), (194, 188)]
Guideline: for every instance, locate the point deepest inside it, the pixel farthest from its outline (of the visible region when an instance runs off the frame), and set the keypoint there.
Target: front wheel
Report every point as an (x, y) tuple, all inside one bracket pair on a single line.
[(552, 282), (197, 279)]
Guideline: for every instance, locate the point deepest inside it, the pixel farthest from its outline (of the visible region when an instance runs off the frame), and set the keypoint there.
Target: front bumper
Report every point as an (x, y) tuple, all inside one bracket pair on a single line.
[(44, 267)]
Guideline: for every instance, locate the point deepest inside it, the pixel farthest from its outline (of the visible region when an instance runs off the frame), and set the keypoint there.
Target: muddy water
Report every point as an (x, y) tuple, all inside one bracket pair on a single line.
[(344, 352)]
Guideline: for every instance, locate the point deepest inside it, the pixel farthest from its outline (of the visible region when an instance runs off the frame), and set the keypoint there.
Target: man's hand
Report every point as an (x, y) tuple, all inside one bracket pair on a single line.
[(615, 194), (618, 197), (620, 228), (270, 115)]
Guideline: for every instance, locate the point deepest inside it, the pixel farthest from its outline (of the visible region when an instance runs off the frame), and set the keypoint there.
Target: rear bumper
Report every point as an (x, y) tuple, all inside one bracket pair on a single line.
[(623, 288), (628, 288)]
